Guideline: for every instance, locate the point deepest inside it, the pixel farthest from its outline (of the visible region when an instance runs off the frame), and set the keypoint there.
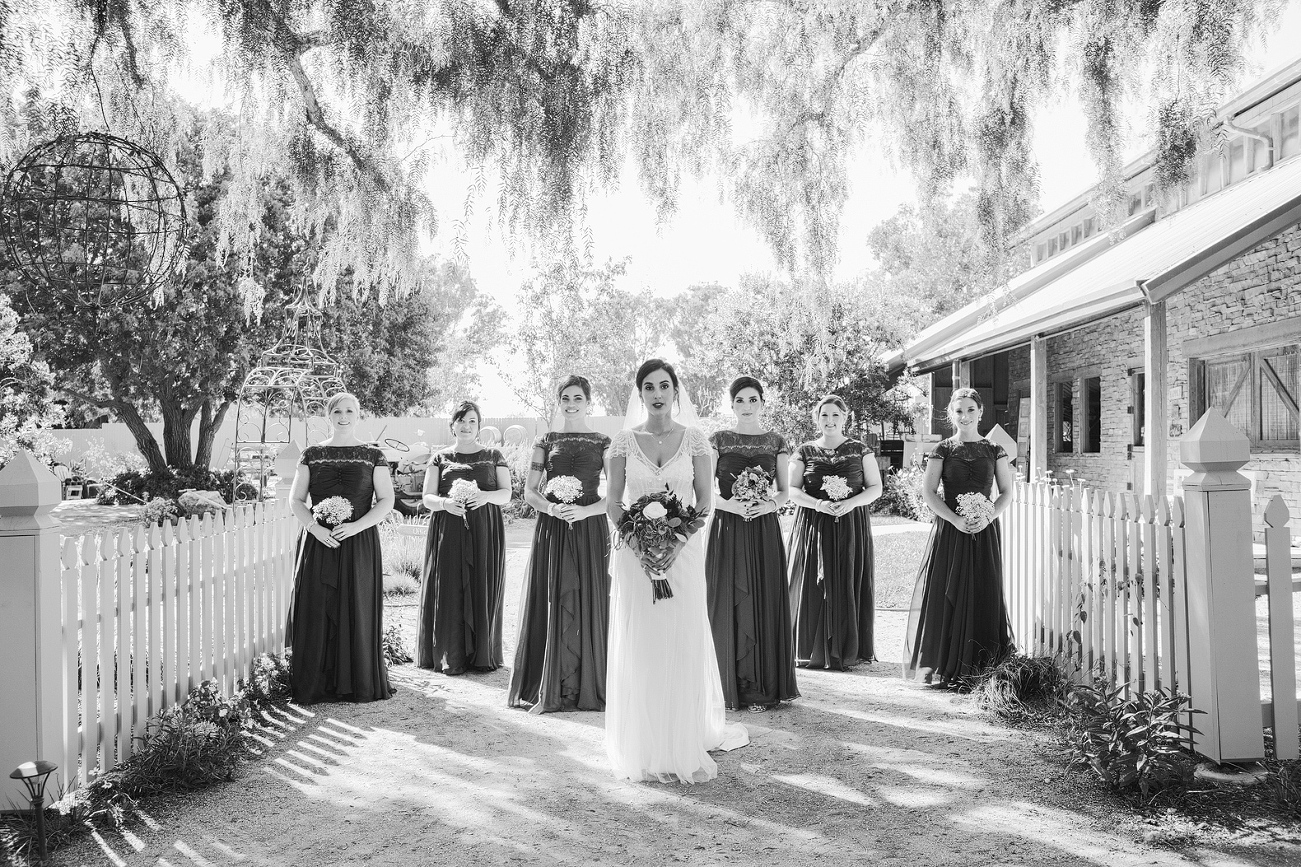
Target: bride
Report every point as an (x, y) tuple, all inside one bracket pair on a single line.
[(664, 700)]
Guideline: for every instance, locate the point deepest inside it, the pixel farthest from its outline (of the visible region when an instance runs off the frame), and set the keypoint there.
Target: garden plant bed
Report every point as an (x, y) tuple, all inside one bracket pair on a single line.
[(444, 773)]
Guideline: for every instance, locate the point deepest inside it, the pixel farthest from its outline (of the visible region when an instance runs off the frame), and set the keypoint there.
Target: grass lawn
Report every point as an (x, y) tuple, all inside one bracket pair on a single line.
[(897, 556)]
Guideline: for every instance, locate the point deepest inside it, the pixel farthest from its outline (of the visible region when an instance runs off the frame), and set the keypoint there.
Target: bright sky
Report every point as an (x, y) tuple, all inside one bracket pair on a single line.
[(707, 243)]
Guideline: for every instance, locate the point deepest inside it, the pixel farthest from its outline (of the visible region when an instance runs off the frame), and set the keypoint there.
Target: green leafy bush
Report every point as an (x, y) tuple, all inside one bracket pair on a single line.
[(395, 649), (1023, 689), (1132, 744), (519, 458), (133, 486), (902, 495)]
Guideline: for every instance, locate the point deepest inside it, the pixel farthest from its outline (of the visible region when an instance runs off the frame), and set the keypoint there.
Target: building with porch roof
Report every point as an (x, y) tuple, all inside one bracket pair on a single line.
[(1111, 344)]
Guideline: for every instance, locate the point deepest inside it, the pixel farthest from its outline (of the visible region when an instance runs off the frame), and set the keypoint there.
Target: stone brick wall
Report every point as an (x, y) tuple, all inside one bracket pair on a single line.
[(1259, 287)]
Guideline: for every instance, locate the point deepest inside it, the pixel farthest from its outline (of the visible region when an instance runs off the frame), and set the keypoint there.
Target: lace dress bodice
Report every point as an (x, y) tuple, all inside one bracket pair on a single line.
[(678, 473)]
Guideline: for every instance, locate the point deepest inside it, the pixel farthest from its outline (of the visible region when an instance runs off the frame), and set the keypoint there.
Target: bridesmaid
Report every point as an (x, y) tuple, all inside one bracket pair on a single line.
[(461, 591), (560, 655), (831, 544), (745, 564), (958, 625), (335, 617)]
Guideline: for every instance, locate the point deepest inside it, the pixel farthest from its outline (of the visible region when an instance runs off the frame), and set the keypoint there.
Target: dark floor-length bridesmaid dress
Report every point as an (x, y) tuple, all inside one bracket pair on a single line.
[(564, 609), (459, 628), (336, 614), (831, 566), (958, 624), (745, 581)]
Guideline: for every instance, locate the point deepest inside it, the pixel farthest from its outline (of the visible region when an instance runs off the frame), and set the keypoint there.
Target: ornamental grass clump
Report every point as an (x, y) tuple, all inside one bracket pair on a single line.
[(1023, 690), (1135, 744)]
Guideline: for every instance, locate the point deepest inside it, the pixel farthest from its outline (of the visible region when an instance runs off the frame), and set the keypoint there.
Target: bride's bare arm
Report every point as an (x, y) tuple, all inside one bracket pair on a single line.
[(616, 479), (704, 481)]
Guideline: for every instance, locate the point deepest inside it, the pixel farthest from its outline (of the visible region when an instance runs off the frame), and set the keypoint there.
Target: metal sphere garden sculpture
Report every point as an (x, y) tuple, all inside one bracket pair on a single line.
[(94, 219)]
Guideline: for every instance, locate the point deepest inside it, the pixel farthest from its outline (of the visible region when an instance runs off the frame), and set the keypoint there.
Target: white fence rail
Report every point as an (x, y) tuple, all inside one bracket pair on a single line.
[(149, 614), (1101, 581)]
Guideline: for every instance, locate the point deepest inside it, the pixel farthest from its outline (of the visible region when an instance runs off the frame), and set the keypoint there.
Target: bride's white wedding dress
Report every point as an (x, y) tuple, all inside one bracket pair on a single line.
[(664, 706)]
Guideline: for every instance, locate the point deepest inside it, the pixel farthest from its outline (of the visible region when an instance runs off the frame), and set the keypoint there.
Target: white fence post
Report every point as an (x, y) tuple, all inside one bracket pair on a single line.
[(1282, 642), (31, 678), (1225, 679)]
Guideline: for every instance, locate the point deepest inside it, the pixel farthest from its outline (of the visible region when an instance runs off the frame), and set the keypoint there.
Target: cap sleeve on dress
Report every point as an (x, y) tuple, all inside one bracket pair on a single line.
[(306, 457), (377, 455), (999, 451), (781, 447), (543, 442), (498, 459), (716, 440), (697, 442), (940, 451), (621, 444)]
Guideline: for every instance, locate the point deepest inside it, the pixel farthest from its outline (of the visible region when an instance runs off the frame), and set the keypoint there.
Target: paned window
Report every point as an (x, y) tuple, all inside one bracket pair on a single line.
[(1065, 439), (1257, 392), (1091, 400)]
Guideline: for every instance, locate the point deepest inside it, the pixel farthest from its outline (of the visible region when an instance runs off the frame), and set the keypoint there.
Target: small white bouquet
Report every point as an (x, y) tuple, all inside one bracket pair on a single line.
[(565, 489), (836, 488), (975, 505), (462, 491), (332, 511)]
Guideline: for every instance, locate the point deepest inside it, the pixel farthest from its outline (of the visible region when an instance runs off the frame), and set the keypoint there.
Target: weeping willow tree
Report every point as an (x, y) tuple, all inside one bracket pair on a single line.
[(772, 99)]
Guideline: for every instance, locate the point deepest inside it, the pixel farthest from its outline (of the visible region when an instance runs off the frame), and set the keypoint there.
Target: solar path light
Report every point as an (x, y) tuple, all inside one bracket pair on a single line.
[(34, 775)]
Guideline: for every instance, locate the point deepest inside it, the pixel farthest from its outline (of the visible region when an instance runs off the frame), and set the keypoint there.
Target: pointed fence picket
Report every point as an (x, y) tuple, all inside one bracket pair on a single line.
[(149, 613), (1098, 579)]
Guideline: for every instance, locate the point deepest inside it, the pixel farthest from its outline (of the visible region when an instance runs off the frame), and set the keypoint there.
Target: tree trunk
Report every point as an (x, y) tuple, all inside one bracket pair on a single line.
[(176, 434), (144, 438), (209, 424)]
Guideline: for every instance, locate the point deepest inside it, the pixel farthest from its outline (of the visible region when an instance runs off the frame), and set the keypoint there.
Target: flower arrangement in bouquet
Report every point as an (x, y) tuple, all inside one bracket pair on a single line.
[(563, 489), (332, 511), (463, 491), (652, 526), (752, 485), (975, 505), (836, 489)]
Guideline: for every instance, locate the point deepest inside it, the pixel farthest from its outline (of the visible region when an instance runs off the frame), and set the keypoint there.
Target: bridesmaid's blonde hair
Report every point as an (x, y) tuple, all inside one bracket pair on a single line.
[(336, 399)]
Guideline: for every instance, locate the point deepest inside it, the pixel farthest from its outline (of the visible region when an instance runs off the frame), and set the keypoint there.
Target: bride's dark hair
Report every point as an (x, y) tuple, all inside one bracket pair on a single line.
[(651, 365)]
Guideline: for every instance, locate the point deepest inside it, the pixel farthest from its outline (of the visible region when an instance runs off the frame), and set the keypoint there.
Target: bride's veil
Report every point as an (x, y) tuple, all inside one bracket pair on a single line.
[(635, 412)]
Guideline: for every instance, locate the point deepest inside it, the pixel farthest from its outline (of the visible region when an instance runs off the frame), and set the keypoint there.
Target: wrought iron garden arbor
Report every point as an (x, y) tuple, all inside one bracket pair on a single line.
[(286, 393)]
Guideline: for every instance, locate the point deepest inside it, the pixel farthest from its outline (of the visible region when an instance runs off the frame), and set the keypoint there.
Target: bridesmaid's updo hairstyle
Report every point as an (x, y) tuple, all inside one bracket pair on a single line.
[(465, 408), (336, 399), (741, 383), (572, 380), (958, 394), (830, 398), (651, 365)]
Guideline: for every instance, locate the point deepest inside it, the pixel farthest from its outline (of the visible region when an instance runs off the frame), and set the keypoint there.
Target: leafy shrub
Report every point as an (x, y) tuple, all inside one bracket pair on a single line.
[(268, 681), (1134, 743), (903, 495), (99, 464), (134, 486), (188, 746), (519, 457), (159, 510), (395, 650), (1022, 689)]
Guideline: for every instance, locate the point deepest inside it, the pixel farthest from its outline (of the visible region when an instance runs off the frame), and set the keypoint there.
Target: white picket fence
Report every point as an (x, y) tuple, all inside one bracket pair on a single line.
[(1099, 579), (148, 614)]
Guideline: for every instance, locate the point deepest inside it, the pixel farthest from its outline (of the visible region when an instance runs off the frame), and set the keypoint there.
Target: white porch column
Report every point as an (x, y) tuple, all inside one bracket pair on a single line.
[(1038, 408), (1224, 676), (964, 374), (1155, 403), (955, 374), (31, 679)]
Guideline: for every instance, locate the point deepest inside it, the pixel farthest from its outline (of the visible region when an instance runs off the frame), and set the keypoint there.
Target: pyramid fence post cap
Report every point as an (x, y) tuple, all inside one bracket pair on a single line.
[(286, 463), (28, 490), (1213, 445)]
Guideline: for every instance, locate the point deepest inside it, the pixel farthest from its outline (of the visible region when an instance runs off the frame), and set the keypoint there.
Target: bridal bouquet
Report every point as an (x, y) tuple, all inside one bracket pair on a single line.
[(975, 505), (332, 511), (565, 489), (836, 488), (652, 526), (462, 491), (752, 485)]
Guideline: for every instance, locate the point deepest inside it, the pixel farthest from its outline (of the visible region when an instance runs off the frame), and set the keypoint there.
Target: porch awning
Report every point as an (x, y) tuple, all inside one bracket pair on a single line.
[(1153, 262)]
